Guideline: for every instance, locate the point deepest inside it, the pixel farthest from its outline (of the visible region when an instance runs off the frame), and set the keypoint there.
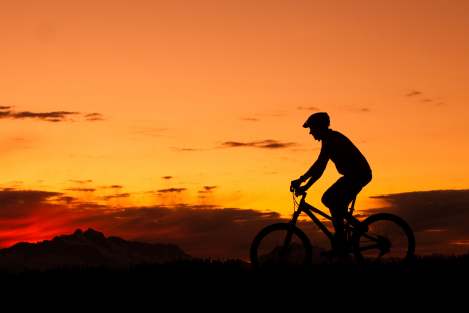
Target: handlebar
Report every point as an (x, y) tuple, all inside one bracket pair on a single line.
[(294, 186)]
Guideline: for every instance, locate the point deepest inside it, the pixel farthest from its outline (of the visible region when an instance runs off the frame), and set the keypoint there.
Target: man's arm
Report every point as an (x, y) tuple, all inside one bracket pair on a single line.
[(317, 169)]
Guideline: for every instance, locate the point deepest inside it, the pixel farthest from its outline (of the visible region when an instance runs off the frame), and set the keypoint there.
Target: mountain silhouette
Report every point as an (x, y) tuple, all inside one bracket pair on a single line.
[(88, 248)]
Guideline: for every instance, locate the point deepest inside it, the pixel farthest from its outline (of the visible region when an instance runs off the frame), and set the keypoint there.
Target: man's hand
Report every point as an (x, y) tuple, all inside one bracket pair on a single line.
[(295, 184), (300, 191)]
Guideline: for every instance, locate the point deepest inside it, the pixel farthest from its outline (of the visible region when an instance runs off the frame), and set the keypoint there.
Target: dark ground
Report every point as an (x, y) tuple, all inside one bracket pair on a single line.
[(234, 278)]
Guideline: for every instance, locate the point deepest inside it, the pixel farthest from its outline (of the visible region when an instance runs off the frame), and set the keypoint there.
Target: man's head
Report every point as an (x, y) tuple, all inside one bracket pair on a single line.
[(318, 124)]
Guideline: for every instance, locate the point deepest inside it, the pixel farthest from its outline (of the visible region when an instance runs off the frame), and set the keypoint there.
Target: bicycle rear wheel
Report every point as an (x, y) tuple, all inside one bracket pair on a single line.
[(280, 244), (389, 239)]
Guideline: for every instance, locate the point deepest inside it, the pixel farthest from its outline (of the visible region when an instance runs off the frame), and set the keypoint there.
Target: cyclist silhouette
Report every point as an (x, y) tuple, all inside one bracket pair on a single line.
[(349, 162)]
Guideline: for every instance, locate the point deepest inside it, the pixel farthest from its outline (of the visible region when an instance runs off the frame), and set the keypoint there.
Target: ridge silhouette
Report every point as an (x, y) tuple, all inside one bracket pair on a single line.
[(85, 249)]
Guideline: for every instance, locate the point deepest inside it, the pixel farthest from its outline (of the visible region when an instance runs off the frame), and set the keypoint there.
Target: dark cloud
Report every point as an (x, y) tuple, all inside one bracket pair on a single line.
[(167, 177), (66, 199), (33, 215), (207, 189), (168, 190), (202, 231), (112, 187), (81, 189), (425, 98), (94, 117), (87, 207), (413, 93), (117, 196), (263, 144), (439, 217), (199, 231), (310, 108), (14, 202), (53, 116), (87, 181)]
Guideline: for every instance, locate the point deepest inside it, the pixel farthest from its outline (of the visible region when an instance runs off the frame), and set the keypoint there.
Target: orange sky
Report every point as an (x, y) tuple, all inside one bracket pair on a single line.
[(174, 80)]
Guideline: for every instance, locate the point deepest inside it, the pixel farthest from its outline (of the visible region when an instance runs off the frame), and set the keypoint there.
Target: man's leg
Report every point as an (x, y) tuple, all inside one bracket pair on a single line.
[(337, 198), (334, 199)]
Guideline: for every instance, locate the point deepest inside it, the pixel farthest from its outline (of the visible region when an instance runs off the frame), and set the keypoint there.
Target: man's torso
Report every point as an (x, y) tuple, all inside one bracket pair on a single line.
[(348, 160)]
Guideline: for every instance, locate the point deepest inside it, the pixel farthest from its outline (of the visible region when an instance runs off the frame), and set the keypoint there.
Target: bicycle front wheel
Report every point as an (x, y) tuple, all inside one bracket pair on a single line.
[(281, 244), (389, 239)]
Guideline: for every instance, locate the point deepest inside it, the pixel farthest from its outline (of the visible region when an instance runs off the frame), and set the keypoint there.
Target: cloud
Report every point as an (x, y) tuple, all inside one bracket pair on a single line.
[(263, 144), (116, 196), (81, 189), (34, 215), (87, 181), (202, 231), (170, 190), (310, 108), (207, 189), (438, 217), (112, 187), (206, 192), (94, 117), (414, 93), (53, 116), (66, 199), (425, 99), (15, 202)]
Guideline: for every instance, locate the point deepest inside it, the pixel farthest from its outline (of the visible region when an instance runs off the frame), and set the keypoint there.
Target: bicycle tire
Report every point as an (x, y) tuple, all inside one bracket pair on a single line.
[(305, 247), (405, 251)]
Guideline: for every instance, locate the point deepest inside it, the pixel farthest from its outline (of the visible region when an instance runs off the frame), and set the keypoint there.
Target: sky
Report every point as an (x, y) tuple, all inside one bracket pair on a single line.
[(196, 105)]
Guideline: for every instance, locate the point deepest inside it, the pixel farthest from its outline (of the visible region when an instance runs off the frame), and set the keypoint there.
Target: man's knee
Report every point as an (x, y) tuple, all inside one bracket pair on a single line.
[(328, 200)]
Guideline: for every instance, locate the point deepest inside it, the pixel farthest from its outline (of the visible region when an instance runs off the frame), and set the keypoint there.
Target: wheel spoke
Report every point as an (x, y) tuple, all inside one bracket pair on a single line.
[(389, 239), (280, 244)]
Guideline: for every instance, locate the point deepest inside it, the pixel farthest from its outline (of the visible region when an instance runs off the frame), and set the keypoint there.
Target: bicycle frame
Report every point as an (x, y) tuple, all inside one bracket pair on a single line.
[(308, 209)]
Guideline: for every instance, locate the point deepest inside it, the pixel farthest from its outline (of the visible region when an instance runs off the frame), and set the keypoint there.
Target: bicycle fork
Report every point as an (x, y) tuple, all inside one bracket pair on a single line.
[(286, 242)]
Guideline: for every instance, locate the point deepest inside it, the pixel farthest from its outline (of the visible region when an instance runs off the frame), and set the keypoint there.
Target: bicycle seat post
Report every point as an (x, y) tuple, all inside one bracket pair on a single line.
[(352, 206)]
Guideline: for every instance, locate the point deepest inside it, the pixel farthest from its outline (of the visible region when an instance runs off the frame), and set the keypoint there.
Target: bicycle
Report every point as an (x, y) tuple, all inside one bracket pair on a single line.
[(381, 237)]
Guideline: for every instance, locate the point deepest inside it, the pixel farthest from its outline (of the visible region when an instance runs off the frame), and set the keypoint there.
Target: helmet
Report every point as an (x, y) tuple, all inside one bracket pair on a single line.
[(318, 120)]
